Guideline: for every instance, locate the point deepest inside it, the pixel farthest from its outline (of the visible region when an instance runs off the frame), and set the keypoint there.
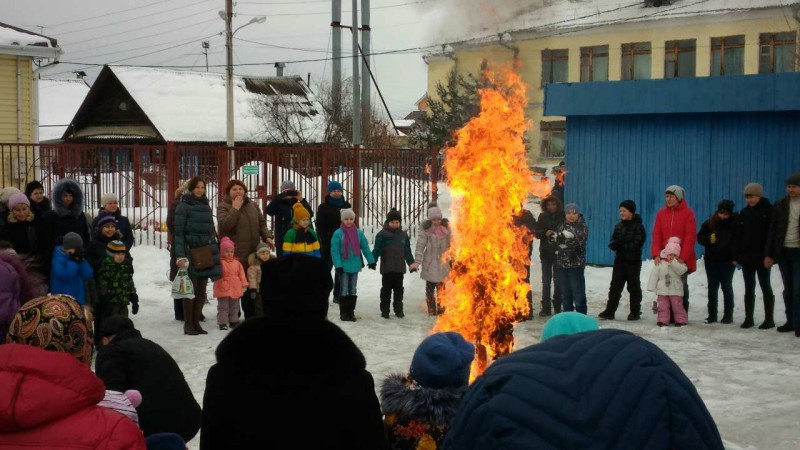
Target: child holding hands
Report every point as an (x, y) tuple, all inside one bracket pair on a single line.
[(228, 289), (665, 281), (347, 246)]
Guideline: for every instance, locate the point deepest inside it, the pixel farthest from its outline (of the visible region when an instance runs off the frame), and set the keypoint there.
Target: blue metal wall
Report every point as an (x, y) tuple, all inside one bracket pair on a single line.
[(713, 156)]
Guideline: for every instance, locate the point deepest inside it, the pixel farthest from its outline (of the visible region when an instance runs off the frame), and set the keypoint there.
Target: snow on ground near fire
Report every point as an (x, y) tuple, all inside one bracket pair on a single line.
[(747, 378)]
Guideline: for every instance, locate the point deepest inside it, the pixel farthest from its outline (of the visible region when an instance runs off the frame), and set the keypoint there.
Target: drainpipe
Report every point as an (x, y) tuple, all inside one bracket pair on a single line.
[(19, 100)]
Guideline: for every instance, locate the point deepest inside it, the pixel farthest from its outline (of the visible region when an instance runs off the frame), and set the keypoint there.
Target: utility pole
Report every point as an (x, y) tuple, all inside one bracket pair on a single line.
[(229, 73), (366, 109), (336, 81), (205, 50), (356, 86)]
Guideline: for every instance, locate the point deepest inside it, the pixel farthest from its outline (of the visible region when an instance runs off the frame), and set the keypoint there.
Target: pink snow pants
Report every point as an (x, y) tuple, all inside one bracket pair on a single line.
[(227, 310), (674, 303)]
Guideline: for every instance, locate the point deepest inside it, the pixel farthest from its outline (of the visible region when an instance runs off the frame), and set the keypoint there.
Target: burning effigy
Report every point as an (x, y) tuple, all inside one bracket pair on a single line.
[(489, 179)]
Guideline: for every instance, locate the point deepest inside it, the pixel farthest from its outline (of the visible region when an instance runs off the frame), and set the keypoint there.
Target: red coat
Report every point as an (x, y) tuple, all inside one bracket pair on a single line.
[(678, 221), (48, 399)]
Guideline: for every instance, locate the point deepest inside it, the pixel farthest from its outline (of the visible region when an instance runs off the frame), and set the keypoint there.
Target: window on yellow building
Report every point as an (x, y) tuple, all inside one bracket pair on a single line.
[(727, 55), (555, 64), (594, 63), (776, 52), (636, 61), (680, 58), (553, 139)]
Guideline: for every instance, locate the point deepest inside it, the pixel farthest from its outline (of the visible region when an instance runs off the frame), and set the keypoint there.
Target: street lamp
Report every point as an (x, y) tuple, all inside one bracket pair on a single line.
[(228, 16)]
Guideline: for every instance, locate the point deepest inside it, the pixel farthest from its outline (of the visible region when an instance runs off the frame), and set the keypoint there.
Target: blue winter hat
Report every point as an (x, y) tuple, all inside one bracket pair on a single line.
[(334, 186), (442, 360), (572, 208), (568, 323)]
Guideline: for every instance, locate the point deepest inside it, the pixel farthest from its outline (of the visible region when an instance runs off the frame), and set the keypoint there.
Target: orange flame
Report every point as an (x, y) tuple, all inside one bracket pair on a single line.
[(490, 180)]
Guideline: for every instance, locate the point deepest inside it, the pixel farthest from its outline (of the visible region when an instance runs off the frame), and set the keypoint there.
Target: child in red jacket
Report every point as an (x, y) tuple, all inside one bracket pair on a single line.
[(228, 289)]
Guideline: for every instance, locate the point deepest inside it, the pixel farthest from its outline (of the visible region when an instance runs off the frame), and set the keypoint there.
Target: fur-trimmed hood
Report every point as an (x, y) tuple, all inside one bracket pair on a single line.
[(409, 401), (428, 223), (71, 186)]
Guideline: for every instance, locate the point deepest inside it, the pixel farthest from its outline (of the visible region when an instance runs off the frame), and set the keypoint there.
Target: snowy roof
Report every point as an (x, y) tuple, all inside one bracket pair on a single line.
[(404, 123), (577, 14), (58, 102), (10, 35), (187, 106)]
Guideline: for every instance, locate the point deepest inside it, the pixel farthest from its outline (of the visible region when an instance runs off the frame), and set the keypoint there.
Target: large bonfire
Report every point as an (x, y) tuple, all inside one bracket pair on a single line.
[(490, 181)]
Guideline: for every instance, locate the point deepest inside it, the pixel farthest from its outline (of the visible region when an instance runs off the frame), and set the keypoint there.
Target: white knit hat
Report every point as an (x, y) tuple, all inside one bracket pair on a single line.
[(108, 198)]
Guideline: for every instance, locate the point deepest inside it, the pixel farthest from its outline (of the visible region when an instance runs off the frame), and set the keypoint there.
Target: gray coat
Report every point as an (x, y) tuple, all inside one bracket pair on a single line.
[(430, 249), (194, 227)]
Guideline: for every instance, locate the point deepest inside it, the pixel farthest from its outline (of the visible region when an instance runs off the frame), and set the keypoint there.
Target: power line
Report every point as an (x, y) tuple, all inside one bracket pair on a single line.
[(106, 14), (136, 18), (136, 48), (328, 12), (284, 47)]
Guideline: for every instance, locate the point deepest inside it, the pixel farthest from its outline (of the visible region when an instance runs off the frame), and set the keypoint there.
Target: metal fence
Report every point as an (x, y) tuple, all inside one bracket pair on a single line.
[(145, 177)]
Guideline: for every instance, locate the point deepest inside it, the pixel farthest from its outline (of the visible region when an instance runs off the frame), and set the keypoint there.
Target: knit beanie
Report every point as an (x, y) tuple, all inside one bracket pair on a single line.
[(226, 244), (262, 247), (393, 214), (54, 323), (629, 205), (7, 193), (673, 246), (572, 208), (287, 186), (115, 247), (347, 213), (32, 186), (566, 323), (18, 199), (114, 325), (334, 186), (108, 198), (123, 403), (442, 360), (677, 191), (434, 212), (754, 189), (726, 205), (300, 212), (104, 219), (793, 179), (72, 241)]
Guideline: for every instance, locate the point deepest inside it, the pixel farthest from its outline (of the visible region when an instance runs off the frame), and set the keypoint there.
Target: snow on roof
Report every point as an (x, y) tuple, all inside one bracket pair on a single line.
[(14, 36), (577, 14), (59, 100), (188, 106), (404, 123)]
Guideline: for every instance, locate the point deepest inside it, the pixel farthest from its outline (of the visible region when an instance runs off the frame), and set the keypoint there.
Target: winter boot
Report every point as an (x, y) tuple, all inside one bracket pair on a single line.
[(177, 304), (606, 314), (727, 317), (749, 306), (351, 307), (385, 302), (343, 311), (546, 310), (769, 306), (556, 305), (712, 313), (398, 303), (188, 311), (198, 311), (431, 304), (336, 299)]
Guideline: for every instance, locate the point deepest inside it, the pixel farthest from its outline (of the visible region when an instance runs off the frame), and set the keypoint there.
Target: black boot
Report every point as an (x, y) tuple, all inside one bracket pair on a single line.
[(344, 310), (785, 328), (352, 308), (546, 310), (188, 311), (398, 303), (177, 304), (749, 306), (556, 305), (198, 312), (384, 307), (769, 307), (712, 313), (727, 317), (606, 314)]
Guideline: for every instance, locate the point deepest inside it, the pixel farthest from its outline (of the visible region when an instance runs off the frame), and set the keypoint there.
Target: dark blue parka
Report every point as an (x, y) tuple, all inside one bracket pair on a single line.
[(604, 389), (194, 227)]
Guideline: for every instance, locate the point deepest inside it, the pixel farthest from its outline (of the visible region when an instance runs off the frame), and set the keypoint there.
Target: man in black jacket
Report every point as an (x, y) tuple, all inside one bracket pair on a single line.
[(128, 361), (783, 246), (549, 219), (627, 241)]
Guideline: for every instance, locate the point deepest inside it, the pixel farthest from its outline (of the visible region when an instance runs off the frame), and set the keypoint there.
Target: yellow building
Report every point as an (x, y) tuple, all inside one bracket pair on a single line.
[(18, 51), (610, 40)]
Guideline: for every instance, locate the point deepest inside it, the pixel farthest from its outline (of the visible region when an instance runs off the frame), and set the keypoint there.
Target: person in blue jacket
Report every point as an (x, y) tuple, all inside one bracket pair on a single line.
[(70, 270), (602, 389), (347, 246)]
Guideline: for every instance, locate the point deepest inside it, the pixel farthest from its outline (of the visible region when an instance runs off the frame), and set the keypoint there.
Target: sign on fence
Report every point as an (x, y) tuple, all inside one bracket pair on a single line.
[(249, 170)]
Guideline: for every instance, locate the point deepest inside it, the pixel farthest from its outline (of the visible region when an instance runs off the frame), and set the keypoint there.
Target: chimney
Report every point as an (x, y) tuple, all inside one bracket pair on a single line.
[(279, 68)]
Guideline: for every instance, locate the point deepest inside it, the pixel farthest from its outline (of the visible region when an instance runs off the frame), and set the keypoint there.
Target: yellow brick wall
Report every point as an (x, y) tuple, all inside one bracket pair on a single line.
[(468, 60), (14, 160)]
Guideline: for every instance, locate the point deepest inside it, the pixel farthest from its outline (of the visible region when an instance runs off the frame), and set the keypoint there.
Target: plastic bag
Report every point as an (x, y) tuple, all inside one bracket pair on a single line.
[(182, 286)]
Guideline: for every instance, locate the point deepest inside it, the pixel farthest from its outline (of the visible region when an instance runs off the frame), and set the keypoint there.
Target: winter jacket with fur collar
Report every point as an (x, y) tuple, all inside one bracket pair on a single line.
[(64, 219), (430, 249)]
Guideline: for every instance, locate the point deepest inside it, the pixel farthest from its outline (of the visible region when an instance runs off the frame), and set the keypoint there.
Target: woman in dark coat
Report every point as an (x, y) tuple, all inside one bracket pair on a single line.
[(327, 222), (173, 267), (717, 236), (26, 233), (281, 209), (67, 216), (194, 228), (40, 205)]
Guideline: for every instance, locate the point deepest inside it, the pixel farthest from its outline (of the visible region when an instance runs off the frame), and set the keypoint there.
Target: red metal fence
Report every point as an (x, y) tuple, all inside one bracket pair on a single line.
[(146, 176)]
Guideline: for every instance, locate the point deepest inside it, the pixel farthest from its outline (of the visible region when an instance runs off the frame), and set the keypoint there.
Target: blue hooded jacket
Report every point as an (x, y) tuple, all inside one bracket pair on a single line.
[(68, 276), (604, 389)]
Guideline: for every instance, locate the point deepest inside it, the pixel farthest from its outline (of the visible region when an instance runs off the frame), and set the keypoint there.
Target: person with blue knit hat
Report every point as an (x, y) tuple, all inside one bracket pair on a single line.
[(419, 408), (327, 221), (567, 323)]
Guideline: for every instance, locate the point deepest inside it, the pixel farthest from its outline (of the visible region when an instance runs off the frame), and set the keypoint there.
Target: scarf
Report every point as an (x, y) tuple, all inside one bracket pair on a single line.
[(337, 202), (350, 242), (440, 231)]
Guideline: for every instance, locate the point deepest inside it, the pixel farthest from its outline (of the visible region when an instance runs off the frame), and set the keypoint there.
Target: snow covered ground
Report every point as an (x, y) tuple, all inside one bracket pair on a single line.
[(749, 379)]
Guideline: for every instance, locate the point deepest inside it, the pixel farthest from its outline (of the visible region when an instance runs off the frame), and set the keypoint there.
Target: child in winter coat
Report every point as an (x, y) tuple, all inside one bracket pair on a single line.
[(419, 408), (665, 281), (571, 238), (251, 302), (228, 289), (718, 235), (393, 248), (301, 238), (347, 245), (433, 241), (115, 284), (70, 270), (627, 241)]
